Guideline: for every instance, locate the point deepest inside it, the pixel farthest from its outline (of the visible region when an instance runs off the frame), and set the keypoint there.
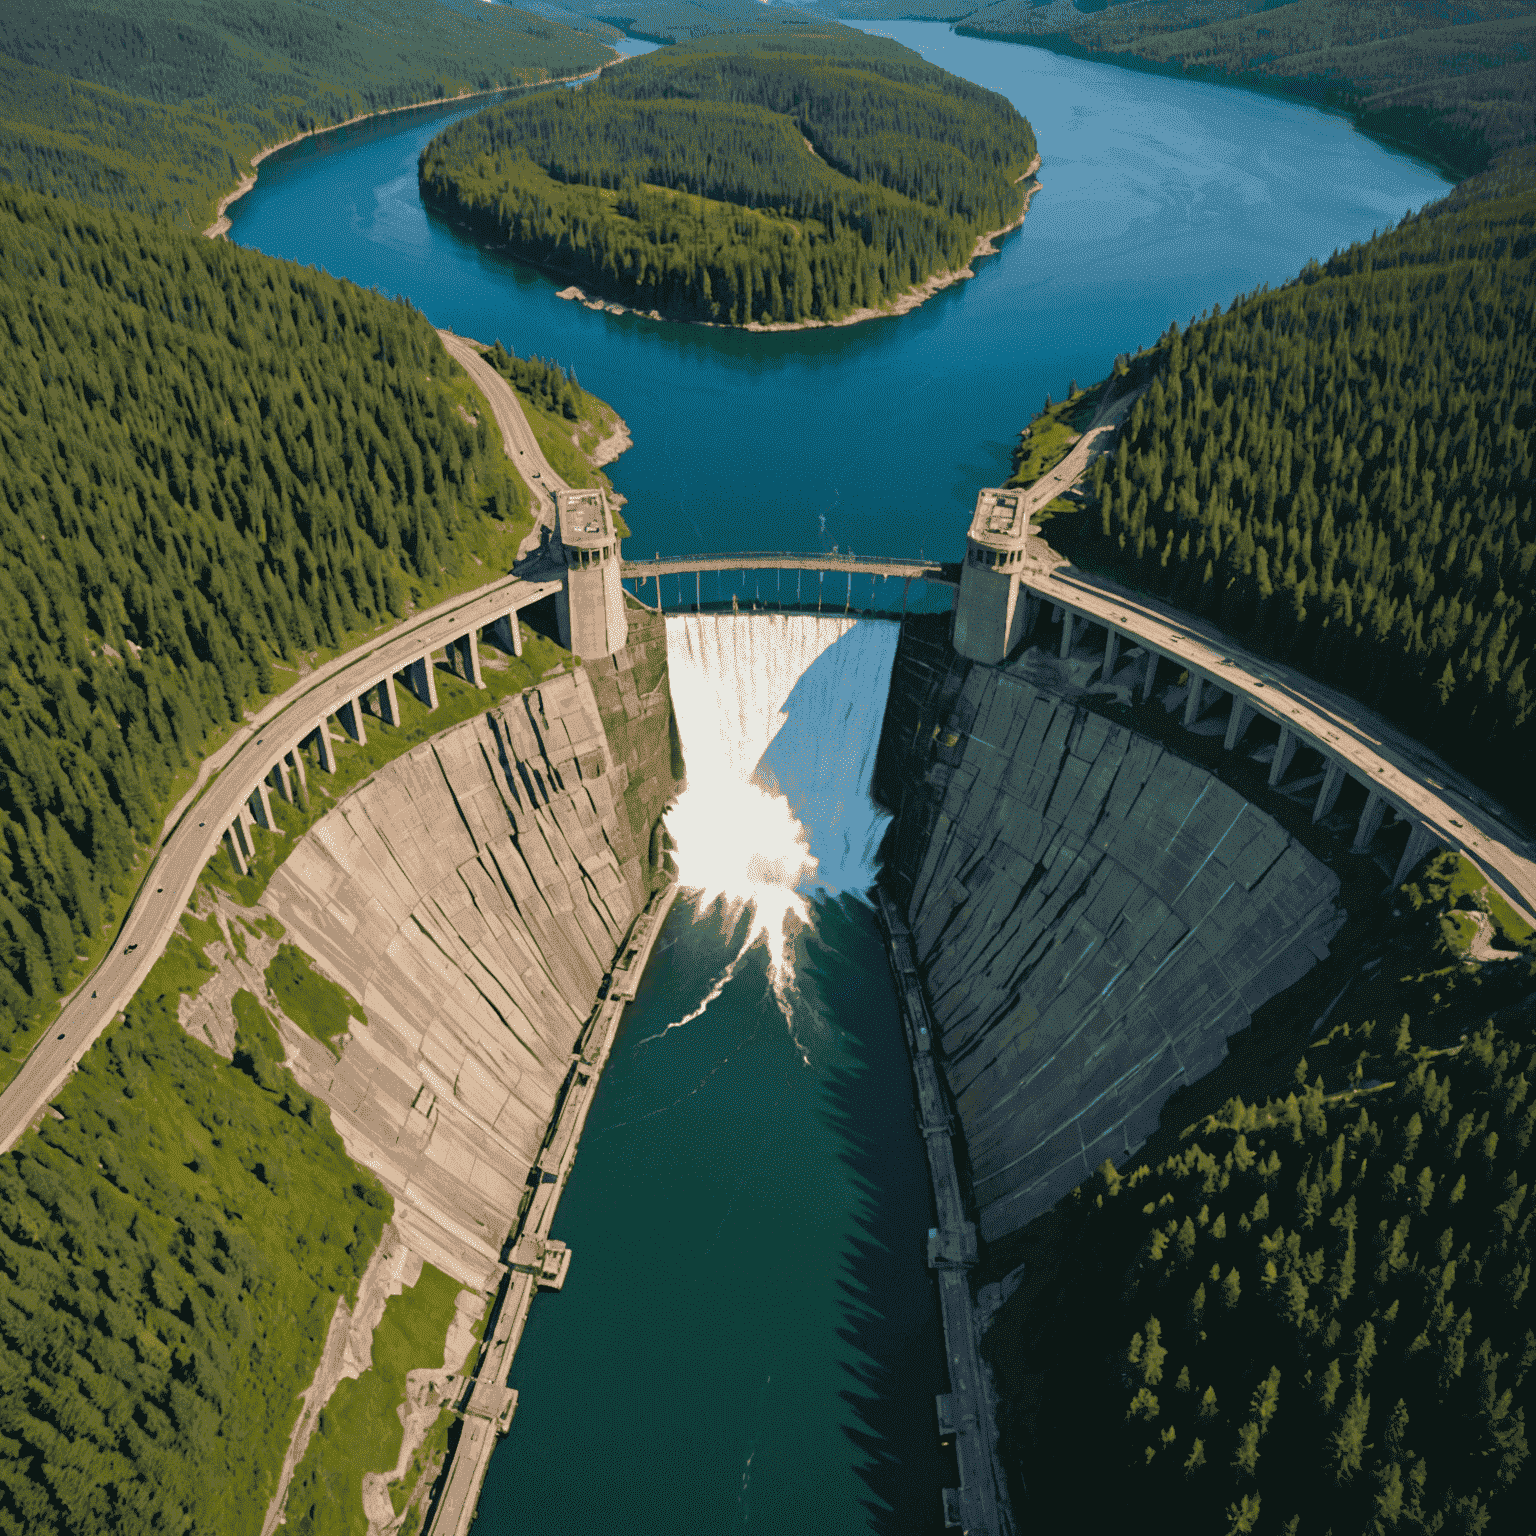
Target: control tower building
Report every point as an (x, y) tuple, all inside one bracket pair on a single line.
[(993, 604), (590, 606)]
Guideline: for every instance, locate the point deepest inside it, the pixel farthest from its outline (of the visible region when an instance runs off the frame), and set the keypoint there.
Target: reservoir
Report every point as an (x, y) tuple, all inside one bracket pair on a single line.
[(748, 1339)]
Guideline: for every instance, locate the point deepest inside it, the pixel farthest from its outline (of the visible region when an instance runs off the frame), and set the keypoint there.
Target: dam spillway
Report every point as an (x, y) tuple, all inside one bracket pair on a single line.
[(749, 1206), (749, 1337)]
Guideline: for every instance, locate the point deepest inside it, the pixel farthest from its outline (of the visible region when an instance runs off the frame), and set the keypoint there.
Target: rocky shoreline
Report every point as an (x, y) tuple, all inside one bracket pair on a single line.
[(918, 294)]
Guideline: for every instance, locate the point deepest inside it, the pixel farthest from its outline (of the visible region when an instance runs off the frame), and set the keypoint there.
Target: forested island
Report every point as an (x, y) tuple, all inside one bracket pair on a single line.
[(775, 179)]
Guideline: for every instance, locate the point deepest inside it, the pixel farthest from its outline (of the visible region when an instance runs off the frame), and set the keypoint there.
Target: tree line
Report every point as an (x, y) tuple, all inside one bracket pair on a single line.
[(741, 180), (1310, 1313), (1454, 81), (210, 463), (155, 108), (1340, 473), (547, 384)]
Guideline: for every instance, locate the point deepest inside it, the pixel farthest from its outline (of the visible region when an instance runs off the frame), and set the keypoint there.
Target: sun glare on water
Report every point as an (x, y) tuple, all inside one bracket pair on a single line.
[(778, 716), (741, 842)]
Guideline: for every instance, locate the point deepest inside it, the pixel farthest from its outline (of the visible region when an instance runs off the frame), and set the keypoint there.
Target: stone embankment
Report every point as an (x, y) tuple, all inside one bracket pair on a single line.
[(489, 899), (471, 896), (1093, 917), (967, 1413)]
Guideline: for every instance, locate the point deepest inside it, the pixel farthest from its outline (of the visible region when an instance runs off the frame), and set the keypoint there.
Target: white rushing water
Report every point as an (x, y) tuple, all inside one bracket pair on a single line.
[(780, 717)]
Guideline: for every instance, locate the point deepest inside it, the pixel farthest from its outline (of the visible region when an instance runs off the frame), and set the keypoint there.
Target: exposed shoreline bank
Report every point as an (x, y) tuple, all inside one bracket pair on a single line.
[(221, 222), (903, 304)]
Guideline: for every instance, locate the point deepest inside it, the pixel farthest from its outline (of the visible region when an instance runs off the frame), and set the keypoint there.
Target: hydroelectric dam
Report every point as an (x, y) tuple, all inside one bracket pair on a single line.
[(904, 893)]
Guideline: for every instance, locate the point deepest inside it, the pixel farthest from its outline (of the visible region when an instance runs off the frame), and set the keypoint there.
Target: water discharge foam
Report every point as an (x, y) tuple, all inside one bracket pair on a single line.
[(780, 717)]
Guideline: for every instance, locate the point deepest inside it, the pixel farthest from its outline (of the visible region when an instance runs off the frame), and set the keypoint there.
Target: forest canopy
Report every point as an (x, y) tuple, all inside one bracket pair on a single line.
[(1307, 1312), (158, 108), (211, 465), (1454, 81), (173, 1244), (1340, 473), (769, 179)]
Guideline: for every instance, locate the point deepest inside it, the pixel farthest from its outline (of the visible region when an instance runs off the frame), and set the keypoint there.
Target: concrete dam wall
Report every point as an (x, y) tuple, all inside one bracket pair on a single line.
[(471, 896), (1092, 916)]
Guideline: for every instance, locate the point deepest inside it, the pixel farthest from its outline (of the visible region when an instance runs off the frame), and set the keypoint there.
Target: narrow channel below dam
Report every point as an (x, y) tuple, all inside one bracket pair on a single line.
[(749, 1335)]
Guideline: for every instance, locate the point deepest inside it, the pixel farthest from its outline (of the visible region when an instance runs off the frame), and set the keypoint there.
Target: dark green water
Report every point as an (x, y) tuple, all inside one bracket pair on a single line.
[(748, 1339)]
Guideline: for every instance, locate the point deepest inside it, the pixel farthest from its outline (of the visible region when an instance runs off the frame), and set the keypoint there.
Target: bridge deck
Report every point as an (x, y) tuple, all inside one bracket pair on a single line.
[(782, 560)]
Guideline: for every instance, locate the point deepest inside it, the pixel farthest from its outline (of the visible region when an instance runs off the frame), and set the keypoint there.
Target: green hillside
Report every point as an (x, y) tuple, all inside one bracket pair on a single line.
[(1309, 1311), (1455, 82), (212, 467), (139, 104), (768, 179), (1340, 473), (174, 1245)]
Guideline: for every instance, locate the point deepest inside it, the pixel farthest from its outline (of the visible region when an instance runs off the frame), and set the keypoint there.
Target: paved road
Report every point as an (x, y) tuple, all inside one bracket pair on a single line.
[(758, 560), (516, 435), (1413, 779), (227, 778)]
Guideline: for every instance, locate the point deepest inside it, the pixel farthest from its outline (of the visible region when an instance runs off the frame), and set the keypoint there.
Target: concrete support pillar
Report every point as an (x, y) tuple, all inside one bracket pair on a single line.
[(243, 825), (389, 701), (1150, 681), (1285, 750), (282, 786), (261, 806), (324, 747), (1370, 822), (470, 645), (1031, 615), (1421, 841), (1111, 654), (1328, 793), (509, 634), (351, 716), (423, 679), (1067, 620), (296, 762), (1237, 722), (236, 853), (1192, 703), (1056, 613)]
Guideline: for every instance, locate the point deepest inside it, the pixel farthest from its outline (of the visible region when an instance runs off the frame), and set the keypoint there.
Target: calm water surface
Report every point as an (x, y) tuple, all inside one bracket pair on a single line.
[(748, 1338), (1159, 197)]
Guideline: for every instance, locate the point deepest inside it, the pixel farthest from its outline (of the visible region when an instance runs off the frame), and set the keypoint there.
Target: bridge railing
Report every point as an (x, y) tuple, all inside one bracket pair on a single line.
[(806, 559)]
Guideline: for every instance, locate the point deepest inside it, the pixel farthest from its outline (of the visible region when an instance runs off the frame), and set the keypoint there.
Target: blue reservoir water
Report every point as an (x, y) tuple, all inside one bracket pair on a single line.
[(1159, 197), (748, 1339)]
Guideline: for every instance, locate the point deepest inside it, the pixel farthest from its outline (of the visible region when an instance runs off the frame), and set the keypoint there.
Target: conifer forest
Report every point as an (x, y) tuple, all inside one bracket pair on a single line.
[(1301, 1307), (768, 180)]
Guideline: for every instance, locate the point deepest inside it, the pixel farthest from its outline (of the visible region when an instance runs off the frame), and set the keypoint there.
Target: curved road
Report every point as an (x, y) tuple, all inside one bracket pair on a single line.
[(229, 776), (516, 435), (1418, 785)]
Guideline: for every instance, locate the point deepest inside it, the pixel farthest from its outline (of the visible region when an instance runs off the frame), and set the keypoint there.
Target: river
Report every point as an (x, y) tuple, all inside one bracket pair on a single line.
[(748, 1338)]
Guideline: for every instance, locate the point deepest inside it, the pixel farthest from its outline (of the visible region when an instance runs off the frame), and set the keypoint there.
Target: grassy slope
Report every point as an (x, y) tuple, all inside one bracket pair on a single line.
[(359, 1430), (175, 1244)]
